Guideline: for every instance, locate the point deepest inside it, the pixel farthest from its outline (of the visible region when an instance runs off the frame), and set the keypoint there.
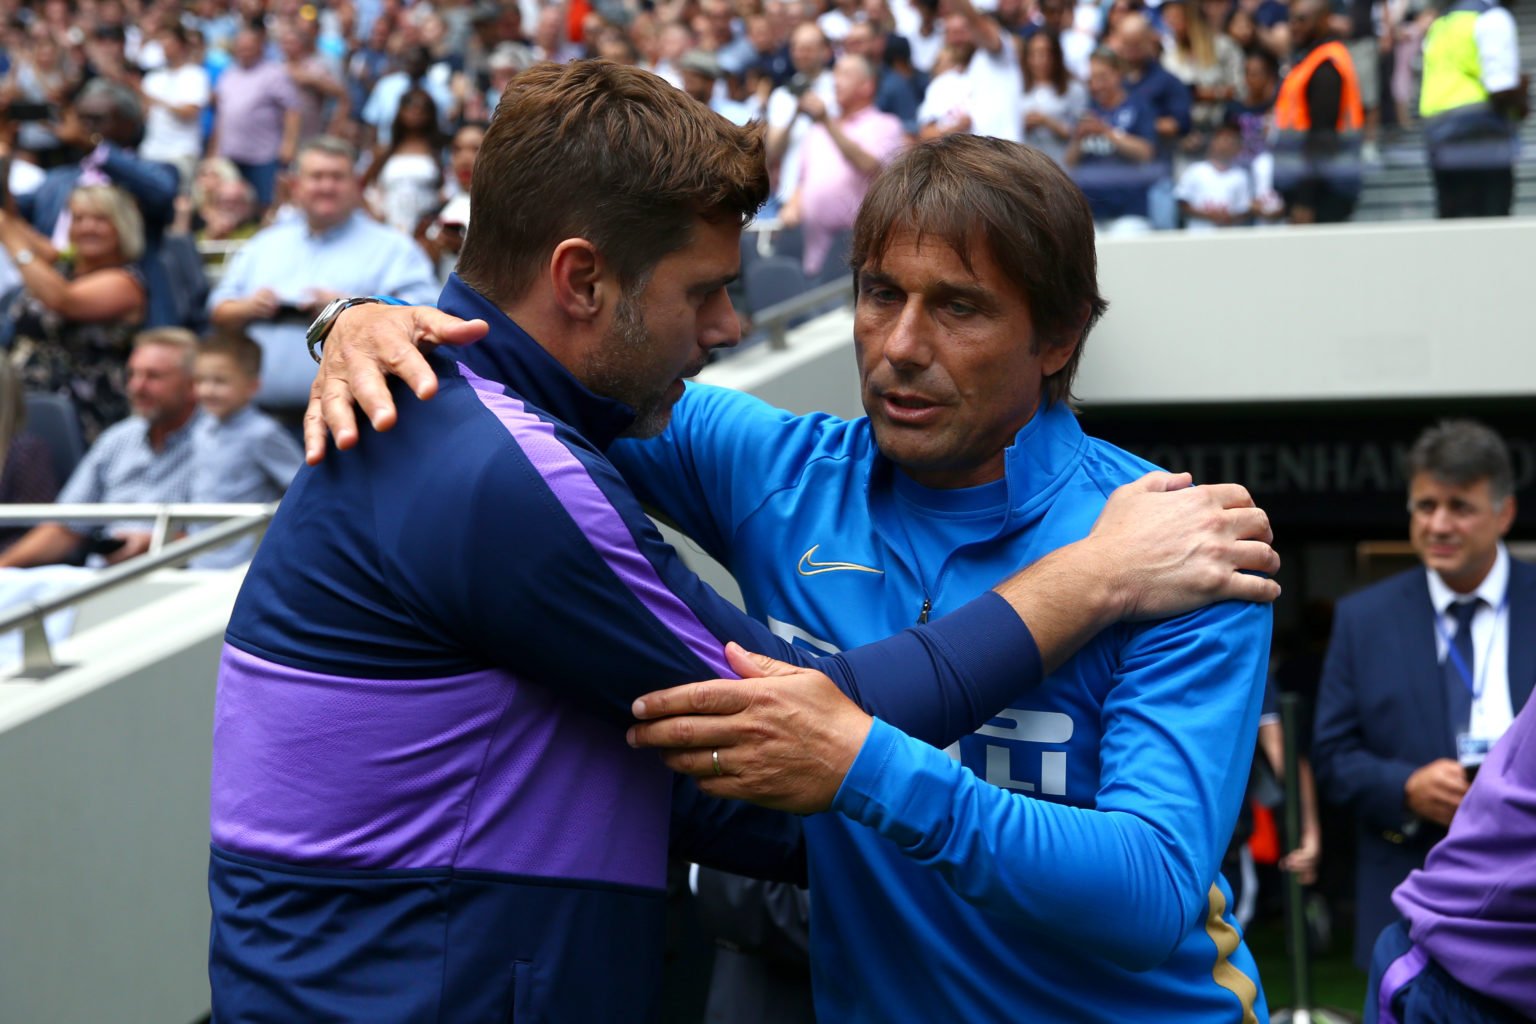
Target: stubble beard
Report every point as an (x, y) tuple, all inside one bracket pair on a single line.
[(619, 370)]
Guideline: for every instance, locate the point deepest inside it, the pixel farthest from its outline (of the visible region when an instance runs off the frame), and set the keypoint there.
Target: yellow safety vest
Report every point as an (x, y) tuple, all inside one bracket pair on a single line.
[(1453, 69)]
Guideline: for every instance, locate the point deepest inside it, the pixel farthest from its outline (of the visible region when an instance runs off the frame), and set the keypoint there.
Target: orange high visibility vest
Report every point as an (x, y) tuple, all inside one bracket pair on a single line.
[(1291, 112)]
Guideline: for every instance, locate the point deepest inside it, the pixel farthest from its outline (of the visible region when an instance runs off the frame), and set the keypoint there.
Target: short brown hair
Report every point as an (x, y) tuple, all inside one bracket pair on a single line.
[(972, 189), (605, 152), (245, 353)]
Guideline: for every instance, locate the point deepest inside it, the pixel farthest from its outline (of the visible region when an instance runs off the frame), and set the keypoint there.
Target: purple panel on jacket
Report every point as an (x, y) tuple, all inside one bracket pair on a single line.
[(585, 502), (477, 772), (1473, 905)]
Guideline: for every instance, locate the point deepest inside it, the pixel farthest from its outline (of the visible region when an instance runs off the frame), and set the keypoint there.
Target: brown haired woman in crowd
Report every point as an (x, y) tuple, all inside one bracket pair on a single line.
[(1053, 100)]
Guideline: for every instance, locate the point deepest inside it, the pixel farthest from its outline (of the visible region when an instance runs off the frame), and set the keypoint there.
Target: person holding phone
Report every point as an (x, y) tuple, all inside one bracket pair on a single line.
[(282, 277)]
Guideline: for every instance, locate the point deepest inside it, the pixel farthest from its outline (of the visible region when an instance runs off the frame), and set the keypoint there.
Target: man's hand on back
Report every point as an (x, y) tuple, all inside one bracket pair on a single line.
[(366, 343), (1170, 548), (1160, 548)]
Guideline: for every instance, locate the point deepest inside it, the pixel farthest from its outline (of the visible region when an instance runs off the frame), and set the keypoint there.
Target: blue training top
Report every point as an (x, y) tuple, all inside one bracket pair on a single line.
[(423, 807), (1067, 868)]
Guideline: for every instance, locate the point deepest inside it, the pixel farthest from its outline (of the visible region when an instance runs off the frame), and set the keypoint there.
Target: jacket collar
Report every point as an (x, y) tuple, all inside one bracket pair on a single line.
[(509, 356), (1044, 453)]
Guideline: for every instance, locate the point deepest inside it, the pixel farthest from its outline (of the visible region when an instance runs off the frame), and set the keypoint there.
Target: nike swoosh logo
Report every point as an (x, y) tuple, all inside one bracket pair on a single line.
[(810, 568)]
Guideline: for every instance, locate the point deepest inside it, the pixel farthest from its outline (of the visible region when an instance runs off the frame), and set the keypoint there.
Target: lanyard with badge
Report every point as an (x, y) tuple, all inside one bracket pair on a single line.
[(1472, 750)]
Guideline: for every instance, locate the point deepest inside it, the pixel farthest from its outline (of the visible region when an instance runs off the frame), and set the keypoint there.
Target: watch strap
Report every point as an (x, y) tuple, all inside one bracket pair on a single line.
[(321, 328)]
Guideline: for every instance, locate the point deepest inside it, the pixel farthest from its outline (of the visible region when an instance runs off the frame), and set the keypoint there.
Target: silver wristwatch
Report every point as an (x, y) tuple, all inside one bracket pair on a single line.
[(327, 319)]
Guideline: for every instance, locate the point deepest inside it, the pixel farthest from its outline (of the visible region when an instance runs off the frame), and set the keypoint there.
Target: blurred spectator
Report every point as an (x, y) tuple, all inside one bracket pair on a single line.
[(700, 74), (106, 122), (1426, 669), (1053, 100), (1406, 21), (279, 280), (227, 214), (71, 324), (215, 21), (417, 71), (442, 235), (1253, 109), (1357, 26), (324, 102), (238, 454), (505, 64), (494, 26), (551, 40), (26, 464), (209, 172), (946, 106), (40, 73), (1473, 101), (175, 98), (1112, 150), (722, 35), (404, 181), (369, 62), (924, 33), (1317, 123), (893, 94), (787, 120), (1244, 31), (672, 41), (258, 114), (993, 75), (1055, 18), (1205, 60), (1165, 97), (146, 457), (1217, 192), (770, 53), (842, 153)]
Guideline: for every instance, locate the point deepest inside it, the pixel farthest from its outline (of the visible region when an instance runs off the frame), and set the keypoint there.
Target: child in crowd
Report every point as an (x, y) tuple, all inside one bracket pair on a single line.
[(239, 453), (1217, 192)]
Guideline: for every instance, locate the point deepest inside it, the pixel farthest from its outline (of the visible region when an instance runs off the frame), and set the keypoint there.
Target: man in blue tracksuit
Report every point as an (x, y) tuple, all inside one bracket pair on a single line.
[(1065, 867), (422, 807)]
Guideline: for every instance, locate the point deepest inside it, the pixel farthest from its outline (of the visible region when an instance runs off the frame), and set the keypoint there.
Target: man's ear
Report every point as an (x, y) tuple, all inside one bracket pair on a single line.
[(1055, 354), (578, 273)]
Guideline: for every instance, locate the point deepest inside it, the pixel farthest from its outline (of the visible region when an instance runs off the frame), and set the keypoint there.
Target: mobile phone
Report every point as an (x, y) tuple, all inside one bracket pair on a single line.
[(26, 110), (289, 311)]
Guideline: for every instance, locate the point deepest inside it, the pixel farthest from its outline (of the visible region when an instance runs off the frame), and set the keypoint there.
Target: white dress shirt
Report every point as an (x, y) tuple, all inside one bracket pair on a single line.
[(1491, 710)]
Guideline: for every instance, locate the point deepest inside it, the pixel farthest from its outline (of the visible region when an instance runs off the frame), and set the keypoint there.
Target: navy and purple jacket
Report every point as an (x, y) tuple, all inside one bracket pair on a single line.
[(423, 807)]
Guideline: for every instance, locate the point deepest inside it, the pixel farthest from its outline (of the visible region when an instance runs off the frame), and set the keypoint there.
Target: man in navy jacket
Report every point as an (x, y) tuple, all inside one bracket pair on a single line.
[(1411, 696)]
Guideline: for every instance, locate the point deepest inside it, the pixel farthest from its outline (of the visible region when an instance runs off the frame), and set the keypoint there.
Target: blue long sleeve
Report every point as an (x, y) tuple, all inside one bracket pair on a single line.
[(1179, 729)]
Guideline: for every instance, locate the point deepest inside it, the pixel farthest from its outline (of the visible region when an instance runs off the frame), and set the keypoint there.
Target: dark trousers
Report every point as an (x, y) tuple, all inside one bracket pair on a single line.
[(1475, 192), (1407, 987), (1329, 203)]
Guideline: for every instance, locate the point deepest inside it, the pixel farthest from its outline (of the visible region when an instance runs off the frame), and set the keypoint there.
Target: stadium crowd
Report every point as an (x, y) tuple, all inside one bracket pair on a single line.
[(188, 185), (149, 144)]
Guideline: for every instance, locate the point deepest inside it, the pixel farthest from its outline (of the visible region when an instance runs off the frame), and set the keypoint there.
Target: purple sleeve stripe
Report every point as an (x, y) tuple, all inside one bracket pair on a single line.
[(1403, 970), (606, 530)]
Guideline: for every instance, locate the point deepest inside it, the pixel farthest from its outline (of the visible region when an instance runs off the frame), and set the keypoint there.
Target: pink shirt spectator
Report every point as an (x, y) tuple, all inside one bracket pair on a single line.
[(830, 187), (252, 104)]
